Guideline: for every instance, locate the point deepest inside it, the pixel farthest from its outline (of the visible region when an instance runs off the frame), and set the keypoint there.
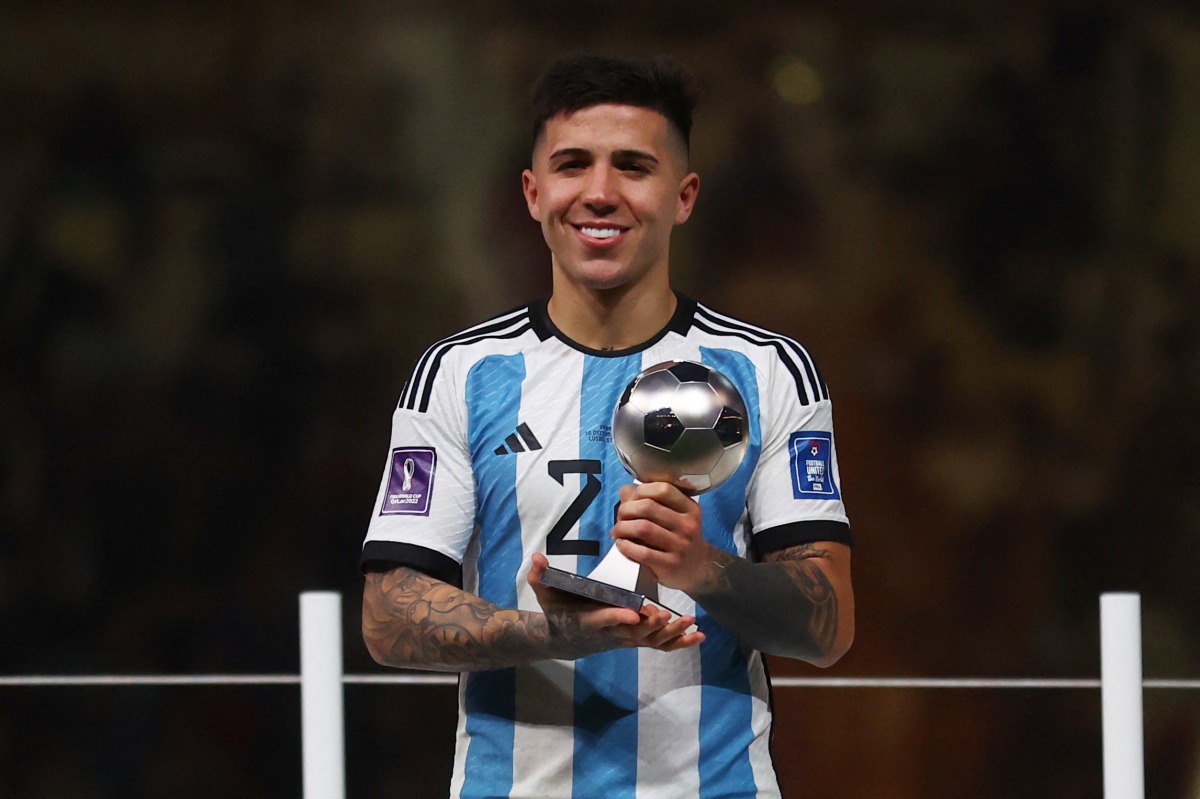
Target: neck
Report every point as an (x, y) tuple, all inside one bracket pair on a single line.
[(611, 319)]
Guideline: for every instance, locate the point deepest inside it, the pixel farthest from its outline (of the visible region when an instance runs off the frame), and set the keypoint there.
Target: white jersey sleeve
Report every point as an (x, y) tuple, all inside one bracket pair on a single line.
[(424, 511), (795, 495)]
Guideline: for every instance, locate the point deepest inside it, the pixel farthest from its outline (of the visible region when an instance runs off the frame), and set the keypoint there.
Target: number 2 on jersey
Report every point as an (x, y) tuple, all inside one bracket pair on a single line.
[(556, 540)]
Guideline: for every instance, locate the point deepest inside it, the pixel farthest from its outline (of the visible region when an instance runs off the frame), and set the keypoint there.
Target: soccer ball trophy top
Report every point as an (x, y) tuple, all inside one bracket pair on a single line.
[(679, 422)]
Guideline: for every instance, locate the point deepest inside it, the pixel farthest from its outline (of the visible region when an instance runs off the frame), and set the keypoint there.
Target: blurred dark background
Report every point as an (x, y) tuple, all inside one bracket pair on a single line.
[(226, 231)]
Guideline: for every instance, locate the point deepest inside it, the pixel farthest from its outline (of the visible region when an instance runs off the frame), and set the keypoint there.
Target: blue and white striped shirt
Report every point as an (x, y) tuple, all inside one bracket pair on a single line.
[(501, 447)]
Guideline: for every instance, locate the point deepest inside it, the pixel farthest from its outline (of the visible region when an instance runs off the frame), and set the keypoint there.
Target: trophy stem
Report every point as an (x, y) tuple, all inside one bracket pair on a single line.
[(646, 585), (616, 569)]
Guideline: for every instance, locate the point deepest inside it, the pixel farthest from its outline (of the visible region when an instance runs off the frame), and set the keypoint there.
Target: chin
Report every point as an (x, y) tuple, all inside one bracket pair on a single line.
[(609, 285), (600, 279), (607, 277)]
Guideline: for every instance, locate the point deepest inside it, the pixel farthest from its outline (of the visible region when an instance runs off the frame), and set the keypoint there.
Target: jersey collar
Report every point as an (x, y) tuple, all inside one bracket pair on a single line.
[(680, 322)]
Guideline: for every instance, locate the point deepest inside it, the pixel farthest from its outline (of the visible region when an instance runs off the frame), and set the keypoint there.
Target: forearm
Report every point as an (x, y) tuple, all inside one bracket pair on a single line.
[(411, 620), (786, 605)]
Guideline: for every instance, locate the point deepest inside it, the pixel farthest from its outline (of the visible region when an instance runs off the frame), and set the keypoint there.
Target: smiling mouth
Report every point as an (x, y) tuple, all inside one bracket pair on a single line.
[(600, 232)]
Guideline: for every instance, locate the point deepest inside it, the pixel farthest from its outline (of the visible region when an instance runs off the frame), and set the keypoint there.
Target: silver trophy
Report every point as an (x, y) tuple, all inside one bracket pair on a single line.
[(679, 422)]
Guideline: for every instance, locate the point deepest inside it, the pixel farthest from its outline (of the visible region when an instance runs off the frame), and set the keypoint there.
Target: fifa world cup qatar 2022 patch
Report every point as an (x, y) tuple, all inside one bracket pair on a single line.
[(812, 465), (410, 482)]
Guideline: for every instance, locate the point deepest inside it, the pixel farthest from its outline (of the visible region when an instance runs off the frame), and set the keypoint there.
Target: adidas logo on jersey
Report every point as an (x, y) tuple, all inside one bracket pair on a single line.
[(512, 444)]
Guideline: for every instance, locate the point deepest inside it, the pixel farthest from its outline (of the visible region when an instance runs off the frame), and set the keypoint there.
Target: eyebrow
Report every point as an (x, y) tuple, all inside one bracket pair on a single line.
[(577, 152)]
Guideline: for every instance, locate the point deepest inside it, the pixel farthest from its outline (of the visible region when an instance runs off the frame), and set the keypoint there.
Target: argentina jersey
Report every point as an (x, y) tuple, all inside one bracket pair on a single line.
[(501, 447)]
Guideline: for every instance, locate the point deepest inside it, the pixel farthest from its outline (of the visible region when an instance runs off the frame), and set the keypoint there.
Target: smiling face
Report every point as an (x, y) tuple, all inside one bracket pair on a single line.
[(608, 184)]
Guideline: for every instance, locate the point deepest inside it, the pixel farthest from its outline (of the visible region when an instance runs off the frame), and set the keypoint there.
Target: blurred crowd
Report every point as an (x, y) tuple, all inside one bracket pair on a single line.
[(210, 299)]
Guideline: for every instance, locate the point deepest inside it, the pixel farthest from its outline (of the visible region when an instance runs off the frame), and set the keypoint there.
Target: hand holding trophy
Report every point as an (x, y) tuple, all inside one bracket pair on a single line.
[(679, 422)]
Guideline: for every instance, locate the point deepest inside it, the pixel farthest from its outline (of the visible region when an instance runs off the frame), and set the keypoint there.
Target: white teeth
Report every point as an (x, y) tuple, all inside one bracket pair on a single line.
[(601, 232)]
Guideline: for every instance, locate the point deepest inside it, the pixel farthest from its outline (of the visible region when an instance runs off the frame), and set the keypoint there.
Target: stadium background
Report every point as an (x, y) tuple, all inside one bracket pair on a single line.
[(226, 231)]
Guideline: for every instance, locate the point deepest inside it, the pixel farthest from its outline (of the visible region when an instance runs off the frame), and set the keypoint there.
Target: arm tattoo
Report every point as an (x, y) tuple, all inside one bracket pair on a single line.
[(785, 605), (411, 620)]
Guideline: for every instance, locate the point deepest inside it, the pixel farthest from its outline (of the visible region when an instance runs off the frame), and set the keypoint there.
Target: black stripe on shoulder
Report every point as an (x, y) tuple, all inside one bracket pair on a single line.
[(787, 362), (412, 387), (798, 350), (437, 360), (807, 532), (419, 387), (378, 556), (788, 348)]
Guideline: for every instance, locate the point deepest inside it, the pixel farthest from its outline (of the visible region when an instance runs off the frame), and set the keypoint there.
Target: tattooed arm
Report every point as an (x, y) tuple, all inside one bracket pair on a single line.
[(412, 620), (798, 602)]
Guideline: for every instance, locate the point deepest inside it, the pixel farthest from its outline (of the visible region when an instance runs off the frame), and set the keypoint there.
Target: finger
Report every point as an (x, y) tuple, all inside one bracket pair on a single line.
[(658, 561), (654, 618), (611, 617), (648, 635), (639, 553), (640, 634), (680, 626), (685, 641), (643, 534), (538, 568), (673, 629), (665, 494), (677, 634), (642, 508), (651, 619), (652, 510)]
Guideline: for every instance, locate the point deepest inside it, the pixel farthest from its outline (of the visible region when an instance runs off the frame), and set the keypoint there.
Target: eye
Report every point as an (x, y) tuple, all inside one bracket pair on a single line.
[(574, 165), (635, 168)]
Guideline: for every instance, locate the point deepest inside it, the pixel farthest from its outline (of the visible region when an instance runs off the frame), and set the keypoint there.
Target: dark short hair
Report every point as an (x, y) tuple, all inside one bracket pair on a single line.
[(582, 81)]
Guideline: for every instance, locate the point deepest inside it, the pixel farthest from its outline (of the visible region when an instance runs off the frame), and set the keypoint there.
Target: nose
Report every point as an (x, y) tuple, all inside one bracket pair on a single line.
[(599, 195)]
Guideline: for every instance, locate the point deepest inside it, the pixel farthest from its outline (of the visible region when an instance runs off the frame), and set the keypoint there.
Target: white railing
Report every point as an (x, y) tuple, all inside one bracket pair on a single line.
[(321, 681), (1121, 695), (1120, 682)]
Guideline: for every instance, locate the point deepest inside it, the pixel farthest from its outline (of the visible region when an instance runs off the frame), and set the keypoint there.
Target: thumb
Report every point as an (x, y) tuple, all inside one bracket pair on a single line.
[(537, 569)]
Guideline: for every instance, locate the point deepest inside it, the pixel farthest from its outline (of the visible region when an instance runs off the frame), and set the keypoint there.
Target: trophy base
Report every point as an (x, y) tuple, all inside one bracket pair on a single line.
[(597, 591), (593, 589)]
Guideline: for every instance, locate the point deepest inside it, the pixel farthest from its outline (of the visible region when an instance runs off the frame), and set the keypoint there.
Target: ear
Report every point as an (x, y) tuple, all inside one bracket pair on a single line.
[(689, 187), (529, 188)]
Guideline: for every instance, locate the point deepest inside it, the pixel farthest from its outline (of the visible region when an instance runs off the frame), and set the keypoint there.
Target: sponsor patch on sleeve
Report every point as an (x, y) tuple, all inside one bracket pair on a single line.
[(410, 482), (812, 466)]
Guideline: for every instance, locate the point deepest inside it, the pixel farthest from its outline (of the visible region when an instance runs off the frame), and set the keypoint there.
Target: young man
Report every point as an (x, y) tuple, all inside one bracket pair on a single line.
[(501, 461)]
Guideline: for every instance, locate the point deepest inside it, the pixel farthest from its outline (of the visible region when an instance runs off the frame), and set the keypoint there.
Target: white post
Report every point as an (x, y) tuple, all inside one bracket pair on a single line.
[(322, 730), (1121, 695)]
